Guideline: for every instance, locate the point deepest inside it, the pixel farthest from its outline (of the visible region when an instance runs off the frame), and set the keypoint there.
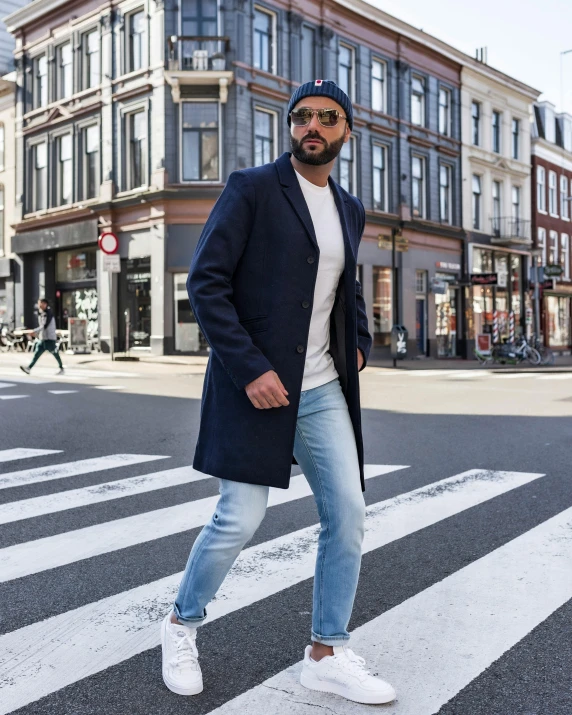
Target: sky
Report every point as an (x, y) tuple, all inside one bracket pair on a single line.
[(524, 37)]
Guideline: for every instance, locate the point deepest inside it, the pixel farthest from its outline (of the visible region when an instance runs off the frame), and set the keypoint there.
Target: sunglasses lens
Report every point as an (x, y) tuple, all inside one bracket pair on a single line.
[(328, 117), (301, 117)]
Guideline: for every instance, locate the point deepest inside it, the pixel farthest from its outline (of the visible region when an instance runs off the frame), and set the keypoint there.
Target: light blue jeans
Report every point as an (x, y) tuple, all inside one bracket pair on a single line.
[(325, 449)]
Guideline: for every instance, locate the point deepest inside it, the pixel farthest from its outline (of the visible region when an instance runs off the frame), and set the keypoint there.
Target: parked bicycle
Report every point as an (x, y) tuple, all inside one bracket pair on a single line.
[(546, 354), (509, 353)]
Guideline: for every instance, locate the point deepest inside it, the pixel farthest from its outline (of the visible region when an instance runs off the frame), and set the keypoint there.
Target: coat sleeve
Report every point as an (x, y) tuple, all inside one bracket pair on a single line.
[(209, 283), (364, 338)]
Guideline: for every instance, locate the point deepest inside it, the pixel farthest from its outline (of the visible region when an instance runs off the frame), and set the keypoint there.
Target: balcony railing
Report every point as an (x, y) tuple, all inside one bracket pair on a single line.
[(198, 53), (509, 230)]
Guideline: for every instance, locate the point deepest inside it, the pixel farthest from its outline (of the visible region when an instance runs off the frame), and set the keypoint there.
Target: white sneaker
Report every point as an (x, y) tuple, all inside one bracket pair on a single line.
[(181, 669), (25, 369), (344, 674), (61, 371)]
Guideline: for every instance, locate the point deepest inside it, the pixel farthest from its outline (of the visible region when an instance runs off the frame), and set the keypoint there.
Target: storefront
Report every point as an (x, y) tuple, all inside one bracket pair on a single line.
[(76, 287), (445, 286), (382, 306), (506, 295), (135, 303), (557, 310), (188, 336)]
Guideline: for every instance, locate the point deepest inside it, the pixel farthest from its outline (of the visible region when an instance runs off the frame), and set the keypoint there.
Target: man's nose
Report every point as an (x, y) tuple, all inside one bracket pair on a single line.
[(314, 123)]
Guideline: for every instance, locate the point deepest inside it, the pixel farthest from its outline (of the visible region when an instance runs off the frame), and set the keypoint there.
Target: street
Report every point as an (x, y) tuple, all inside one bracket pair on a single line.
[(465, 595)]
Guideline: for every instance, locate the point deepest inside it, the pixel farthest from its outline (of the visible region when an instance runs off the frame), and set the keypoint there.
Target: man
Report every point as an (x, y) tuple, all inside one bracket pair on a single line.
[(272, 285), (46, 332)]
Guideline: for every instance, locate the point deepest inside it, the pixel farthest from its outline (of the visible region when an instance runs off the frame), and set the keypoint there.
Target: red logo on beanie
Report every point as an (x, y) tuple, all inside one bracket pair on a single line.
[(318, 82)]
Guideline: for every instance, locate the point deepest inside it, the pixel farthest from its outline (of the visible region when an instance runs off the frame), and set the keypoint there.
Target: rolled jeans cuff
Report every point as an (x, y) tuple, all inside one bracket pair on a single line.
[(191, 622), (330, 640)]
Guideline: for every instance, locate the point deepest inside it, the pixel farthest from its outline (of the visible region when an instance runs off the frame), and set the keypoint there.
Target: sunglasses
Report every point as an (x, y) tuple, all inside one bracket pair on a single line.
[(327, 117)]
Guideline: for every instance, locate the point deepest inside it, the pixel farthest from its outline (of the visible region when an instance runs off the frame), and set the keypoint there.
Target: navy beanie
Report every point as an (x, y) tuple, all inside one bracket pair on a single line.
[(323, 88)]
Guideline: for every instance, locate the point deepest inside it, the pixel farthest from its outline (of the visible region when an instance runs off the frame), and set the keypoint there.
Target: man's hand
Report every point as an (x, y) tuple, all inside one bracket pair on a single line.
[(267, 391), (360, 359)]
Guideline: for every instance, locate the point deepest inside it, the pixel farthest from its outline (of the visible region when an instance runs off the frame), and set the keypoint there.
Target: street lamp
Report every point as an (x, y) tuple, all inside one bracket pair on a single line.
[(565, 52)]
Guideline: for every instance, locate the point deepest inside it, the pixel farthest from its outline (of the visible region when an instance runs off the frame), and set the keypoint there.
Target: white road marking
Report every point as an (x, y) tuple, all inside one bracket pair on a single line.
[(63, 392), (7, 384), (72, 469), (471, 618), (10, 455), (53, 551), (12, 397), (74, 645), (17, 376), (556, 376), (109, 387), (85, 496)]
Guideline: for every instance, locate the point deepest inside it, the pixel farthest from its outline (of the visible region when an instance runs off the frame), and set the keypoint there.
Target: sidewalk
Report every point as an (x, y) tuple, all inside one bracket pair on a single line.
[(197, 363)]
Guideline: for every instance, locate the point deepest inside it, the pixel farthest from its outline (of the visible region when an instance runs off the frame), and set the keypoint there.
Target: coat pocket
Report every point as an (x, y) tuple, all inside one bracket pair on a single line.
[(257, 324)]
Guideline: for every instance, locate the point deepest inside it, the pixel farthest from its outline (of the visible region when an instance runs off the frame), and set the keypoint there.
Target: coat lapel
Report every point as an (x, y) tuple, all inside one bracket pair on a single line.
[(343, 207)]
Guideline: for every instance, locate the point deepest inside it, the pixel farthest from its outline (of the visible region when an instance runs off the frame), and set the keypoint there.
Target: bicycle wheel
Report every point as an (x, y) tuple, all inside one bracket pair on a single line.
[(533, 356), (547, 356)]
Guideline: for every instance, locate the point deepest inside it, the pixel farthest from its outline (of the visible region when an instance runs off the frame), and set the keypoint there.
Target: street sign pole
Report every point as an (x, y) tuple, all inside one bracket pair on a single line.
[(109, 245), (111, 336)]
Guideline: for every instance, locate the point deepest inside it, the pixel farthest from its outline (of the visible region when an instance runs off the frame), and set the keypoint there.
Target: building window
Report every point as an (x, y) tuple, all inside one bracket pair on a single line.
[(516, 204), (91, 60), (379, 178), (90, 162), (137, 41), (188, 336), (378, 86), (264, 34), (515, 138), (445, 112), (564, 203), (476, 123), (565, 255), (496, 132), (348, 166), (199, 18), (136, 145), (39, 177), (552, 258), (445, 194), (200, 141), (496, 196), (308, 54), (382, 305), (541, 188), (421, 282), (2, 146), (552, 199), (418, 186), (40, 66), (541, 243), (264, 137), (418, 101), (64, 184), (477, 210), (346, 70), (65, 71)]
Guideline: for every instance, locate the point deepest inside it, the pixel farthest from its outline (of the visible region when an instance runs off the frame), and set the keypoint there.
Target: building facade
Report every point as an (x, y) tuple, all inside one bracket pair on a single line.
[(130, 118), (496, 112), (9, 267), (551, 211)]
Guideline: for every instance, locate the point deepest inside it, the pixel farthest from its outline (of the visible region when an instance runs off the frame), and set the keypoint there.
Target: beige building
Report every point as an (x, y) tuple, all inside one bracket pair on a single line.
[(495, 117), (8, 267)]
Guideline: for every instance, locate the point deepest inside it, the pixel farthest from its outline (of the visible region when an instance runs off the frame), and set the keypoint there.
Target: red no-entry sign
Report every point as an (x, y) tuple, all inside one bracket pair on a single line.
[(109, 243)]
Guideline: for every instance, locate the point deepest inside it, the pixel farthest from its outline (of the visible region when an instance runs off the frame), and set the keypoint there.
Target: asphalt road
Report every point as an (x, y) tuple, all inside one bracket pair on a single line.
[(466, 608)]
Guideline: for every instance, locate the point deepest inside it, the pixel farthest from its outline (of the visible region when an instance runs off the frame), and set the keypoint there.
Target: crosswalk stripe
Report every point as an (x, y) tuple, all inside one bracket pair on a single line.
[(71, 646), (73, 469), (63, 392), (470, 618), (73, 498), (6, 384), (12, 397), (11, 455), (109, 387), (17, 376), (53, 551)]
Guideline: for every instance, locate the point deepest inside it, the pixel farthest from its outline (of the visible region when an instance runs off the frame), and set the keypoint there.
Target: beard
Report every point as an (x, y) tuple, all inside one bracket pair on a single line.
[(317, 156)]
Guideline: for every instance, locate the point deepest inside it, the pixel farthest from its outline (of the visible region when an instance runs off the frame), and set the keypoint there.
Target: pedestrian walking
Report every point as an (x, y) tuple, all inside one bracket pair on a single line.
[(273, 287), (47, 337)]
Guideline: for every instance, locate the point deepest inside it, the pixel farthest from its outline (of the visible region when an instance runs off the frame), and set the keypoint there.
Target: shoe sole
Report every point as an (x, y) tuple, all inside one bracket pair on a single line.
[(175, 688), (312, 683)]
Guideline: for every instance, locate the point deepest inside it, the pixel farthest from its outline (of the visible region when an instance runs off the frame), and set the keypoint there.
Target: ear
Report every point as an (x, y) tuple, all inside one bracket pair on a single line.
[(347, 133)]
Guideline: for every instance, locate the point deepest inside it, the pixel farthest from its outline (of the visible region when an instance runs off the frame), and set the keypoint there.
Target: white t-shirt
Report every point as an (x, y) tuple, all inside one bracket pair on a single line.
[(319, 367)]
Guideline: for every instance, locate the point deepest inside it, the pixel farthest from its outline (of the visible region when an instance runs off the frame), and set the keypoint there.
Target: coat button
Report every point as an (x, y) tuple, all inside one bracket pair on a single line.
[(300, 348), (310, 259), (305, 304)]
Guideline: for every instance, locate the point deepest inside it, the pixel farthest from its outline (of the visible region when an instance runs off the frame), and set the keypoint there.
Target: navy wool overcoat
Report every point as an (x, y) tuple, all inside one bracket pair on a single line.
[(251, 287)]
